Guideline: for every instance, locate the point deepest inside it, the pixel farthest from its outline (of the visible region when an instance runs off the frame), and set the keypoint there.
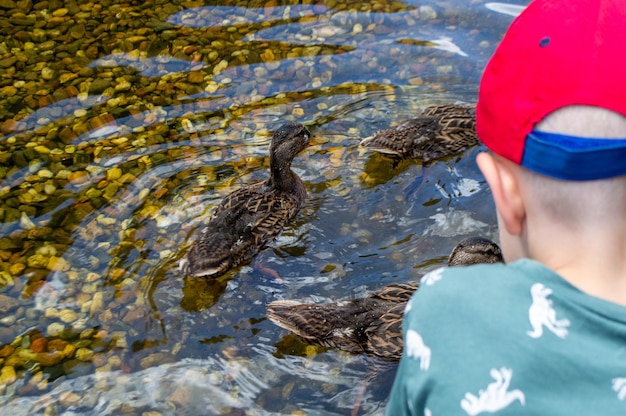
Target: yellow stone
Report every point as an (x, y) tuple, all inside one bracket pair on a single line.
[(51, 313), (28, 355), (78, 177), (47, 250), (81, 112), (195, 77), (135, 39), (134, 54), (38, 261), (119, 141), (116, 273), (42, 149), (60, 12), (55, 329), (114, 173), (37, 377), (267, 55), (67, 315), (58, 264), (16, 269), (90, 288), (7, 375), (97, 304), (69, 350), (25, 222), (223, 64), (127, 178), (84, 354), (66, 77), (49, 189), (92, 277), (211, 87), (106, 221), (63, 174), (188, 125)]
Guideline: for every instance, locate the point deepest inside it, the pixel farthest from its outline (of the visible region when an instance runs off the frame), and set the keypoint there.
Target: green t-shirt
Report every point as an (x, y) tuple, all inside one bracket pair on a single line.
[(509, 340)]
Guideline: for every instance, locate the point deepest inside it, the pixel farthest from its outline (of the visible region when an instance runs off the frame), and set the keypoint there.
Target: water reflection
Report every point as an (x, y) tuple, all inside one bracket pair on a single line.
[(209, 386), (229, 16), (155, 66), (113, 154)]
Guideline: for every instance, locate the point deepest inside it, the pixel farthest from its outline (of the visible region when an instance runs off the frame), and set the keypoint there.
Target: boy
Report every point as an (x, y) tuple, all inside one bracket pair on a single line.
[(544, 334)]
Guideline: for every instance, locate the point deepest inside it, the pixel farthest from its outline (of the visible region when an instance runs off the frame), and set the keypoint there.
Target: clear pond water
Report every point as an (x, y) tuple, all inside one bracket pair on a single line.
[(124, 123)]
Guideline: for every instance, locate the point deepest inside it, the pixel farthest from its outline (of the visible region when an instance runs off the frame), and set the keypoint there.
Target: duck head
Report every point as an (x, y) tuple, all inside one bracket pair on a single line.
[(474, 250), (289, 140)]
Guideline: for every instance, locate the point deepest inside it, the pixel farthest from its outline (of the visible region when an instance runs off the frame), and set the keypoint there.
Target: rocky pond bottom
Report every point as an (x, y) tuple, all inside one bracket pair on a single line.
[(122, 124)]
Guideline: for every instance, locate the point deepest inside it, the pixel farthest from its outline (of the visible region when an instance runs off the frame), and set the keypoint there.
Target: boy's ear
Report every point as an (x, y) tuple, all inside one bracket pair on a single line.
[(505, 188)]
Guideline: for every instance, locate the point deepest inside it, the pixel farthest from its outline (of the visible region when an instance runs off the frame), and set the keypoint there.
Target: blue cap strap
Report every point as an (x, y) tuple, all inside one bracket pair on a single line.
[(574, 158)]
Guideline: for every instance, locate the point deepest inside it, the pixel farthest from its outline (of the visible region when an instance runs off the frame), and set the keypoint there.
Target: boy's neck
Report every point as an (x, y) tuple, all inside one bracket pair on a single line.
[(596, 266)]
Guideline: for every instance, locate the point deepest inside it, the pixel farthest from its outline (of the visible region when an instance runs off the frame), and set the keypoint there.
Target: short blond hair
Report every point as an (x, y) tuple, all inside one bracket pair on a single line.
[(585, 121)]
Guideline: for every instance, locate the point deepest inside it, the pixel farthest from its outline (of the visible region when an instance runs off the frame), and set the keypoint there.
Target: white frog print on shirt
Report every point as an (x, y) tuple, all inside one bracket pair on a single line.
[(496, 397), (415, 348), (541, 313), (619, 385), (433, 277)]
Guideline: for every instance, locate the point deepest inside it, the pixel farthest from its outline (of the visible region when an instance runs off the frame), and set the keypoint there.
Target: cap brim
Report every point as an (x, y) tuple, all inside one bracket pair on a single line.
[(574, 158)]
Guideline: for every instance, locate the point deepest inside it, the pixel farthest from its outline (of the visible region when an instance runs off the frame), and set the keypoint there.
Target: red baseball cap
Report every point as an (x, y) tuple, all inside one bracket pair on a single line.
[(555, 54)]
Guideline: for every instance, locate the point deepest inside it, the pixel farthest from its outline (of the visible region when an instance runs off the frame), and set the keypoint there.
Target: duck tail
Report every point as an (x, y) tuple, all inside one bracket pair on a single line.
[(293, 316), (314, 323)]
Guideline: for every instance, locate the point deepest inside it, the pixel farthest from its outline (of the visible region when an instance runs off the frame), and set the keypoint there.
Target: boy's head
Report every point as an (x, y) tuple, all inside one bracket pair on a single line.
[(552, 110), (557, 53)]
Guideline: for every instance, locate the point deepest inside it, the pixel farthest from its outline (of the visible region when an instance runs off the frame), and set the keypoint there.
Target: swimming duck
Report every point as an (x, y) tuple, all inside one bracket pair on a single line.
[(247, 219), (373, 324), (438, 131)]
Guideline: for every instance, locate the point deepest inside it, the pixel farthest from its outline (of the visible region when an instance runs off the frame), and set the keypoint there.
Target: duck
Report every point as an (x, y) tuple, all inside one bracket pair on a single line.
[(438, 131), (372, 324), (251, 217)]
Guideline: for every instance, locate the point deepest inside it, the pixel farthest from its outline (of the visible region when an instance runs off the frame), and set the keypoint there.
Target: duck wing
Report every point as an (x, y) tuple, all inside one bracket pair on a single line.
[(437, 131), (403, 141), (455, 110), (243, 223), (396, 292), (266, 209), (384, 334), (456, 132), (370, 325), (341, 325)]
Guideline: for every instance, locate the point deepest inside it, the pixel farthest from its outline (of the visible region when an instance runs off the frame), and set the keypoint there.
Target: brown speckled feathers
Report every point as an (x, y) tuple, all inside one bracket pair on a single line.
[(436, 132), (247, 219), (373, 324)]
